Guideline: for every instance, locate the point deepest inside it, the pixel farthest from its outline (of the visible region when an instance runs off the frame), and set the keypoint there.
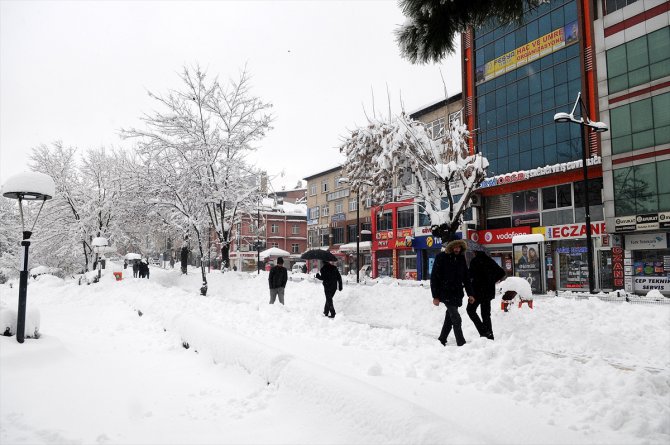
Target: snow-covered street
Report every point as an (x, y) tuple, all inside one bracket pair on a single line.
[(565, 371)]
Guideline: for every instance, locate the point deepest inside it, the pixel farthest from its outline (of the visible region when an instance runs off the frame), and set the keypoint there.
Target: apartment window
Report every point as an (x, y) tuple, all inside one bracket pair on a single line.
[(424, 219), (353, 204), (384, 221), (436, 128), (524, 202), (275, 245), (639, 61), (325, 238), (312, 189), (339, 207), (640, 124), (642, 189), (595, 200), (338, 235), (295, 229), (557, 205), (325, 210), (324, 187), (406, 218), (295, 248), (351, 233), (613, 5), (274, 228), (314, 212)]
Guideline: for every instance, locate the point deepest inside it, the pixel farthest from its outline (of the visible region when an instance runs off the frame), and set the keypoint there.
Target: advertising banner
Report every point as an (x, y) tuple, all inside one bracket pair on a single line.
[(527, 264), (524, 54), (497, 236)]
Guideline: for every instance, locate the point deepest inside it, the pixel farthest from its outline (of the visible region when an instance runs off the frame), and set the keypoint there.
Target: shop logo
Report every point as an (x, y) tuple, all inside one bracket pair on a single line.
[(488, 236), (429, 241), (475, 237)]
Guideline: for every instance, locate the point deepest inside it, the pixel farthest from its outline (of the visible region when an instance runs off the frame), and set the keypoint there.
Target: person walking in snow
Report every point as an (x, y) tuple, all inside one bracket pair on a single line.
[(277, 280), (332, 281), (484, 274), (447, 279), (136, 268)]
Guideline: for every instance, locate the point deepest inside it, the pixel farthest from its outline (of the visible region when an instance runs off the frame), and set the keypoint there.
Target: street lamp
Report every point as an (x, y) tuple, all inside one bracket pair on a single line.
[(598, 127), (358, 227), (30, 187)]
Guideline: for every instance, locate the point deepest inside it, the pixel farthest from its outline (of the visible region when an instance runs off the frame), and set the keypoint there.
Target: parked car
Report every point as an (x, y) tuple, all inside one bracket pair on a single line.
[(298, 267)]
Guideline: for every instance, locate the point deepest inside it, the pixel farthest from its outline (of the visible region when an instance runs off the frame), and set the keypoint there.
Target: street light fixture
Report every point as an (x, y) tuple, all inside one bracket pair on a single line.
[(599, 127), (358, 228), (30, 187)]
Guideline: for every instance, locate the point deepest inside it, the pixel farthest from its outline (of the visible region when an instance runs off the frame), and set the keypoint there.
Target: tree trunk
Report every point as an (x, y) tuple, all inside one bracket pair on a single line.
[(203, 288)]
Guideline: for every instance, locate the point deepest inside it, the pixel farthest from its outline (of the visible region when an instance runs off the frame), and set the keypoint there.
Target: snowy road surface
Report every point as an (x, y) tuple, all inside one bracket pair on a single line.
[(564, 372)]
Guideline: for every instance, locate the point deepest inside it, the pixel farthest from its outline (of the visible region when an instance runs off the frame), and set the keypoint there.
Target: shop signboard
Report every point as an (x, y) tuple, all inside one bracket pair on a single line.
[(645, 241), (427, 242), (646, 222), (498, 236), (624, 224), (628, 284), (572, 231), (618, 263), (664, 220), (645, 284)]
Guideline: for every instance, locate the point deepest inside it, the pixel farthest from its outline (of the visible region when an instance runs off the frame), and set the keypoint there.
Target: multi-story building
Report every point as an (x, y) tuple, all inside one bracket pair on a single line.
[(331, 218), (273, 225), (515, 78), (633, 66)]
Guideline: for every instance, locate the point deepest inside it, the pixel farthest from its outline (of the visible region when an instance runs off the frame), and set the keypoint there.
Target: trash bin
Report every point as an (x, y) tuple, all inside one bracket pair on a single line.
[(118, 276)]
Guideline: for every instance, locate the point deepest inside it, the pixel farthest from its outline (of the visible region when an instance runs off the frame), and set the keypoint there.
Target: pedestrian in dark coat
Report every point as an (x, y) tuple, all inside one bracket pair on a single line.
[(277, 279), (484, 274), (447, 280), (332, 281), (142, 269), (136, 268)]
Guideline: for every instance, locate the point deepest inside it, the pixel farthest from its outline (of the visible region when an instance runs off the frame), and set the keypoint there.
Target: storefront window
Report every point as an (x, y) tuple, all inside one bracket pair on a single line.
[(384, 264), (573, 270), (407, 266)]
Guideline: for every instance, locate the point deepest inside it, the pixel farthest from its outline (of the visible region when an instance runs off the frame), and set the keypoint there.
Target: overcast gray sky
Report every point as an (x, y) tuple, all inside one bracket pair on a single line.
[(78, 71)]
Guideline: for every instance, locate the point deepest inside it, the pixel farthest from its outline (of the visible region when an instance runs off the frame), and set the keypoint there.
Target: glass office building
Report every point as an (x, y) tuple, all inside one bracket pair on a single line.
[(523, 76)]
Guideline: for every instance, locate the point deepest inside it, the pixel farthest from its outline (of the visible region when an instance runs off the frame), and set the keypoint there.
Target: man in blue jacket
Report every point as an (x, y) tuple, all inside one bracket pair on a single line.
[(447, 279)]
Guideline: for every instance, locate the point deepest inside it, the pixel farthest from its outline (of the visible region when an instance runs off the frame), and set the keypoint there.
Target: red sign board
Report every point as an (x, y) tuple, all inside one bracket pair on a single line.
[(497, 236)]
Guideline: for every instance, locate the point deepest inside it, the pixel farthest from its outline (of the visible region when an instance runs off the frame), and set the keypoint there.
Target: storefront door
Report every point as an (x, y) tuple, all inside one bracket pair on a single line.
[(605, 272)]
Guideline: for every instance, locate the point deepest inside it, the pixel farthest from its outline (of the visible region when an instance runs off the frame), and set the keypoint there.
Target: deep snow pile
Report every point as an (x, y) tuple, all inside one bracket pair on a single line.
[(567, 371)]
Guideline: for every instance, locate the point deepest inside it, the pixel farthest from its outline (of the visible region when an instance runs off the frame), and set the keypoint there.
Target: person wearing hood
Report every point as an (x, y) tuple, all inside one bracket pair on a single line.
[(484, 274), (447, 280)]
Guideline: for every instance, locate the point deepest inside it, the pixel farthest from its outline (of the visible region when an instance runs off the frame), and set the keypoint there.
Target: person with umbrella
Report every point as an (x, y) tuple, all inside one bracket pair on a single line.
[(332, 281), (484, 274)]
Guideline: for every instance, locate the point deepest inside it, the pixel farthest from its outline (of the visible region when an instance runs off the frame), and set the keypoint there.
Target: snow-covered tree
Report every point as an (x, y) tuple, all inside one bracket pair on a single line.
[(10, 236), (380, 153), (211, 127), (87, 204)]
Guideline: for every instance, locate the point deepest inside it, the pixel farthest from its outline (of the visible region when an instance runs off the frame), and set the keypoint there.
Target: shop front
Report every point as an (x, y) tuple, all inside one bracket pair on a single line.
[(426, 248), (566, 256), (647, 262)]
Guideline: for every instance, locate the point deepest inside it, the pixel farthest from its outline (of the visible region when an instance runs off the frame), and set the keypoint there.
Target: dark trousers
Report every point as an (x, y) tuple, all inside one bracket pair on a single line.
[(329, 309), (483, 325), (452, 319)]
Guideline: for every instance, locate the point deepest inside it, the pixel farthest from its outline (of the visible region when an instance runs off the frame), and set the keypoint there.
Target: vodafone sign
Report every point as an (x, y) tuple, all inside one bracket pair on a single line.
[(497, 236)]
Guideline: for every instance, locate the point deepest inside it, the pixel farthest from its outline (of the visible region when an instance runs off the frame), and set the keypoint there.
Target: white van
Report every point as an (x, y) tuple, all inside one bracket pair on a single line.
[(297, 267)]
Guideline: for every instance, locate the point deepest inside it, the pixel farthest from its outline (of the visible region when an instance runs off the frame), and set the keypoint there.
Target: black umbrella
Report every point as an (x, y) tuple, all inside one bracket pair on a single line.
[(318, 254)]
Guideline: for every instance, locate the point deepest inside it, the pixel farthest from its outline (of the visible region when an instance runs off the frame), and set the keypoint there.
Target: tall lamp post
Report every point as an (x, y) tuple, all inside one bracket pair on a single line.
[(358, 228), (585, 124), (29, 187)]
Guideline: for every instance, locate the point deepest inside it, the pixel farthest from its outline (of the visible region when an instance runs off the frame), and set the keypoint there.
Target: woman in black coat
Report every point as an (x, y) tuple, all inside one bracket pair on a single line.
[(447, 280), (332, 281), (484, 274)]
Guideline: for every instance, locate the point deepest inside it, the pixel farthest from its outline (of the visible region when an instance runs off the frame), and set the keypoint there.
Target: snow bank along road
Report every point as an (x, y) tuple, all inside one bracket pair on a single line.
[(564, 372)]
